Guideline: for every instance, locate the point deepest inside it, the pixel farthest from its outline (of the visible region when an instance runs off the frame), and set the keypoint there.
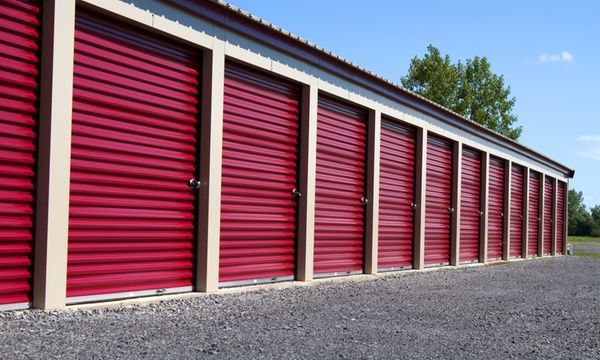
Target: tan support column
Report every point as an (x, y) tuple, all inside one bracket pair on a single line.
[(308, 175), (506, 211), (541, 216), (483, 235), (420, 188), (373, 165), (54, 162), (525, 249), (211, 150), (456, 195)]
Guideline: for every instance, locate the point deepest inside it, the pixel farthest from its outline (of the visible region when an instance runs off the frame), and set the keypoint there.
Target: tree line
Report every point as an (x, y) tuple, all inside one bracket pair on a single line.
[(582, 222)]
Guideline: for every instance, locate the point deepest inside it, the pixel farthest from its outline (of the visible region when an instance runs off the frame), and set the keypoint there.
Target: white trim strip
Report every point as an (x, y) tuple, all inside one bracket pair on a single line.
[(125, 295)]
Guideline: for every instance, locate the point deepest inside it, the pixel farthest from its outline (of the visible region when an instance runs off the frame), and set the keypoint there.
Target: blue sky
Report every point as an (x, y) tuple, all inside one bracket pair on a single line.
[(548, 52)]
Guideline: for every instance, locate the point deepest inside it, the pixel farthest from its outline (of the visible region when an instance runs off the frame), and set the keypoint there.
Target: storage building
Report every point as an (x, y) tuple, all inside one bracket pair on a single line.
[(165, 146)]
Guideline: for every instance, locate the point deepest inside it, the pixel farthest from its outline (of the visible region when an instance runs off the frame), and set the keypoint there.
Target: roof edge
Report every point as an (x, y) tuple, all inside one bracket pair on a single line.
[(250, 26)]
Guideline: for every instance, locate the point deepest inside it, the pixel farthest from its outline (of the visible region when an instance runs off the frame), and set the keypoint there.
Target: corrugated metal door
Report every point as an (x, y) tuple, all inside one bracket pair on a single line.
[(19, 62), (260, 145), (396, 196), (516, 211), (495, 209), (470, 205), (560, 217), (340, 186), (132, 214), (534, 219), (438, 210), (548, 220)]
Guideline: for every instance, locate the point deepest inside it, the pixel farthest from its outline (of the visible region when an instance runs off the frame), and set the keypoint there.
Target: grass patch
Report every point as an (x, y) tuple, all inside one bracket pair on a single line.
[(586, 239), (587, 254)]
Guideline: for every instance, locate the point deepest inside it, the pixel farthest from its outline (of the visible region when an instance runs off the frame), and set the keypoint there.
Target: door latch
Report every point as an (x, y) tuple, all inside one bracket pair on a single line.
[(296, 194), (413, 206), (194, 184), (451, 210), (364, 200), (480, 212)]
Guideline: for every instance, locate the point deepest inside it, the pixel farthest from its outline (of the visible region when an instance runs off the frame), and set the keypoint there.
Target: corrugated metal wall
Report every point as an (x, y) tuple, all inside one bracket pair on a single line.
[(396, 196), (470, 205), (496, 209), (534, 215), (260, 159), (548, 216), (516, 211), (438, 211), (19, 85), (340, 185), (135, 110)]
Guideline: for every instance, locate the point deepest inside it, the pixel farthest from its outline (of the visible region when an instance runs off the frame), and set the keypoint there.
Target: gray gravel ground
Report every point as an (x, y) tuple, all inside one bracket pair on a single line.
[(547, 308)]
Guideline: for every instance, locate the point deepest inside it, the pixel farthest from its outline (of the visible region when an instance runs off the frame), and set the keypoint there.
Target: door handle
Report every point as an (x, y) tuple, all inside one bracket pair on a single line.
[(296, 194), (194, 184)]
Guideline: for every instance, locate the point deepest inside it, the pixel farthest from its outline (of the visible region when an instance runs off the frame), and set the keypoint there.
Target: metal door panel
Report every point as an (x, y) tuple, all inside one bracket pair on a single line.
[(19, 88), (134, 147), (470, 202), (396, 196), (340, 184), (260, 160)]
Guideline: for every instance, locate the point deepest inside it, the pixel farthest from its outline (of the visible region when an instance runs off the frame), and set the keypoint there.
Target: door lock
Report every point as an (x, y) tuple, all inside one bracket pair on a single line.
[(194, 184), (296, 194)]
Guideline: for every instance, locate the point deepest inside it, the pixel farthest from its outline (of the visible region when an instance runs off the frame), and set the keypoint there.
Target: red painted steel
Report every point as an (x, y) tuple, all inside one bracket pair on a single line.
[(470, 205), (19, 63), (516, 211), (260, 145), (135, 110), (438, 213), (534, 219), (495, 208), (396, 195), (560, 217), (340, 184), (548, 220)]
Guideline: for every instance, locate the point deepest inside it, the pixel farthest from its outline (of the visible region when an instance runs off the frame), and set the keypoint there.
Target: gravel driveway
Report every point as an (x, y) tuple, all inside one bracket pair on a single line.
[(529, 309)]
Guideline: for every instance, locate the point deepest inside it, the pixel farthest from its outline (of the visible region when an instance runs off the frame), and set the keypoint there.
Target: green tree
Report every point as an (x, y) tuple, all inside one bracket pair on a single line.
[(470, 89), (581, 222), (595, 213)]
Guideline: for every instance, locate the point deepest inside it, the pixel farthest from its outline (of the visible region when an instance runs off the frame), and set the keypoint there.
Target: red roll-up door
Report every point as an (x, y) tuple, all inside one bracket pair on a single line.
[(516, 211), (495, 209), (19, 63), (534, 208), (438, 211), (548, 220), (396, 196), (135, 111), (260, 145), (470, 205), (340, 185), (560, 217)]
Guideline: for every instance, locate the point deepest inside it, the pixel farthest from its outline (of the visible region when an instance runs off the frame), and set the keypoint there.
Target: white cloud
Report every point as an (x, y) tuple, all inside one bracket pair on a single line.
[(590, 153), (564, 56), (589, 138)]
